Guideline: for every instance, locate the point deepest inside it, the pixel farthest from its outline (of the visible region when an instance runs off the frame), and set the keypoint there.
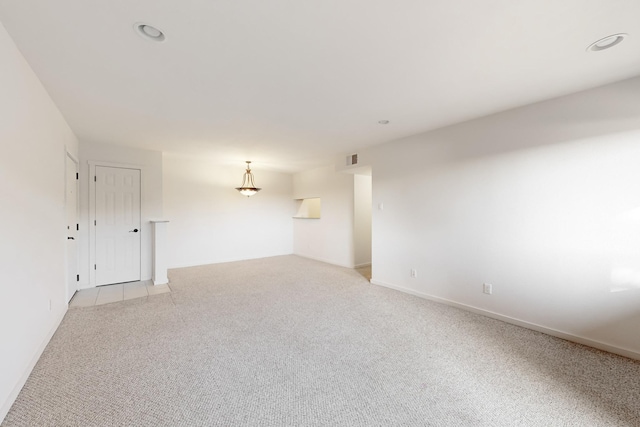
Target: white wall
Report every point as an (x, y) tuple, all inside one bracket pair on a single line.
[(150, 163), (211, 222), (542, 202), (330, 238), (362, 194), (34, 136)]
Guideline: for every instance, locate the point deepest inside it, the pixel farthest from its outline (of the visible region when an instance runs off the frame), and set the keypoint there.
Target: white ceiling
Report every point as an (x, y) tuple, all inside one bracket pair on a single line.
[(291, 83)]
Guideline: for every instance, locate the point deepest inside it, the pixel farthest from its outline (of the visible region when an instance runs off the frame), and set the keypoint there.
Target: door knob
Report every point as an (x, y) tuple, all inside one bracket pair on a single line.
[(135, 230)]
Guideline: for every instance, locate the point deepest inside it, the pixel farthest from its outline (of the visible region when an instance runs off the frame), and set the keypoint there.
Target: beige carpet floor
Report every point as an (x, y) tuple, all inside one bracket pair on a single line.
[(287, 341)]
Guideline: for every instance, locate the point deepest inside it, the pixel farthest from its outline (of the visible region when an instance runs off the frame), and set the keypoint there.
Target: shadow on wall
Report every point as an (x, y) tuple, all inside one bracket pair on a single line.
[(603, 111)]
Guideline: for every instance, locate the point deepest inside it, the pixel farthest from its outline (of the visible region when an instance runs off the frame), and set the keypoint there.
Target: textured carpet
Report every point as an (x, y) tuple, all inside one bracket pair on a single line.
[(287, 341)]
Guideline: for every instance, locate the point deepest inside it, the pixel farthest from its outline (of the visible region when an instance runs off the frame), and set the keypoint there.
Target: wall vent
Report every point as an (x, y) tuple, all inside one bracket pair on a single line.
[(352, 159)]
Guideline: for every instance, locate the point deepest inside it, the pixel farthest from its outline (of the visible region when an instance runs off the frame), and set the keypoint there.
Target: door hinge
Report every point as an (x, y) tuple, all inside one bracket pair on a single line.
[(77, 278), (95, 178), (95, 267), (95, 222), (77, 227), (77, 175)]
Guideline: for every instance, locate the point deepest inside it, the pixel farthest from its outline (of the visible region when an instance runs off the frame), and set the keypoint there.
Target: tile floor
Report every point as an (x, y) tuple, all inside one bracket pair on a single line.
[(114, 293)]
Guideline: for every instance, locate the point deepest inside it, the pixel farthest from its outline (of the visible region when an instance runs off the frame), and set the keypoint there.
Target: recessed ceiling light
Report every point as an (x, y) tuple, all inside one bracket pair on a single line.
[(383, 122), (149, 32), (607, 42)]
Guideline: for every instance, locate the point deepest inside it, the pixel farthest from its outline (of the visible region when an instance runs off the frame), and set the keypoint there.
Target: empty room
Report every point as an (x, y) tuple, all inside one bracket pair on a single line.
[(322, 213)]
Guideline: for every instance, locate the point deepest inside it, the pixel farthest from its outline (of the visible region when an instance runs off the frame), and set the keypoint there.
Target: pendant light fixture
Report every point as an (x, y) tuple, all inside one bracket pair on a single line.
[(248, 188)]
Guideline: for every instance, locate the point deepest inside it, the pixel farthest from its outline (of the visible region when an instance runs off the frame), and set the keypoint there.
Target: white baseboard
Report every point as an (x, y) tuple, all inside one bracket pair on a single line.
[(6, 406), (364, 264), (326, 261), (533, 326)]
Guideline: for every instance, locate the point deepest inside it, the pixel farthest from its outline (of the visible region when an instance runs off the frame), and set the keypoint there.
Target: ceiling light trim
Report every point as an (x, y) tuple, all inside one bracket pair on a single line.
[(149, 32), (607, 42)]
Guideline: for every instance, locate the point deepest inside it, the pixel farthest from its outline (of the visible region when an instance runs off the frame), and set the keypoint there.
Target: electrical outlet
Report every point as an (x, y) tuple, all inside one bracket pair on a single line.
[(414, 273), (381, 206), (487, 288)]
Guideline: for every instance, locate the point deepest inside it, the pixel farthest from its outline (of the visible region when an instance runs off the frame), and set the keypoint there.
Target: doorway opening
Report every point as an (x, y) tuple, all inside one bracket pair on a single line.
[(362, 200)]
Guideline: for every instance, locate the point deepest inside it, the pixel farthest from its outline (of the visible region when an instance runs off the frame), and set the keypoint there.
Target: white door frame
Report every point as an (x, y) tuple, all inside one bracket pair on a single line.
[(70, 157), (92, 212)]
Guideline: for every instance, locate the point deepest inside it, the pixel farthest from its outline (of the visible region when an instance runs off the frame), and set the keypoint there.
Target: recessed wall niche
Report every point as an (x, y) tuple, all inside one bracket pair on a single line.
[(308, 208)]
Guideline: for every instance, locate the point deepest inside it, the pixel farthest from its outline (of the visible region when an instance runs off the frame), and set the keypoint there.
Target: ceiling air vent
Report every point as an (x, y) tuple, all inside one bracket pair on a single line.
[(352, 159)]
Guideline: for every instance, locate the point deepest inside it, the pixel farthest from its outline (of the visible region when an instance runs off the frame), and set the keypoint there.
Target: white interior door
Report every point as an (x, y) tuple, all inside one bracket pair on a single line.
[(71, 208), (117, 225)]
